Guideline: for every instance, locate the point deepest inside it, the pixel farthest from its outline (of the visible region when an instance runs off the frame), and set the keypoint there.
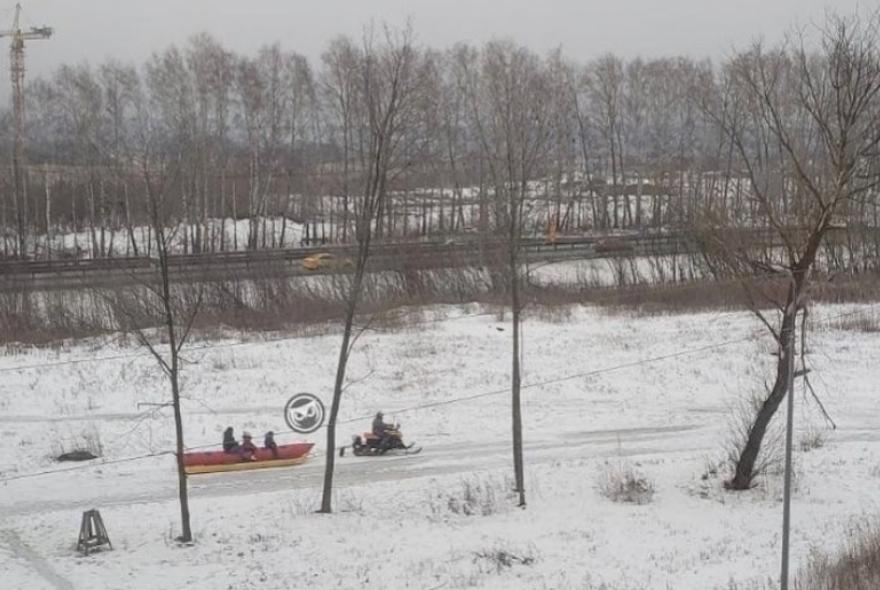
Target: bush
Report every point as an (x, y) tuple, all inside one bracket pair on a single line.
[(477, 496), (498, 559), (857, 567), (812, 439), (621, 482), (80, 447), (859, 322)]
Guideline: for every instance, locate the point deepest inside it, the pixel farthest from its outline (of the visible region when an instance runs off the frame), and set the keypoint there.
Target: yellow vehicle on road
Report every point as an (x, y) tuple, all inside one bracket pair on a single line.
[(326, 261)]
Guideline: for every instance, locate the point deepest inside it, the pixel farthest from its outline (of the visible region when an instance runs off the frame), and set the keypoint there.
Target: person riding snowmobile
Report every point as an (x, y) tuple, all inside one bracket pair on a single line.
[(389, 435), (379, 425)]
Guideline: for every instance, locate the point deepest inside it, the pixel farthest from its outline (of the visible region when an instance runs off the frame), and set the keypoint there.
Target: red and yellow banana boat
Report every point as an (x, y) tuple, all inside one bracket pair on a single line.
[(219, 461)]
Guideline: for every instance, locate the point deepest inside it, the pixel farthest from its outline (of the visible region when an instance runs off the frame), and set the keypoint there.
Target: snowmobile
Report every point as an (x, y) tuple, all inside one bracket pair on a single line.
[(370, 445)]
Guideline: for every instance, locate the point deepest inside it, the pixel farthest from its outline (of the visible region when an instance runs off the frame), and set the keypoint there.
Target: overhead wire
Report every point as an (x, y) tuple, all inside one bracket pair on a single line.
[(500, 391), (543, 383), (82, 467)]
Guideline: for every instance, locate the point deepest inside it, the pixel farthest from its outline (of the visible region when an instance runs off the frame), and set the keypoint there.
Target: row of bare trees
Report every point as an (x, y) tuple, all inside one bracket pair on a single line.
[(796, 136), (787, 139), (796, 131), (283, 145)]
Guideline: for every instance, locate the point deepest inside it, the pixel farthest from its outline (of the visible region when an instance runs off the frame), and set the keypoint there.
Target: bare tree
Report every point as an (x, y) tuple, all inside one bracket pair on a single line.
[(339, 83), (806, 129), (511, 121), (120, 87), (213, 73), (387, 83), (159, 302), (606, 79), (302, 126)]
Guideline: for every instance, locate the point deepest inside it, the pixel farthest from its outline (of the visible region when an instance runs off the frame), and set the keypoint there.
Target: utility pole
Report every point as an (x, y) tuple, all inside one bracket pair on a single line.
[(16, 70), (789, 428), (788, 348)]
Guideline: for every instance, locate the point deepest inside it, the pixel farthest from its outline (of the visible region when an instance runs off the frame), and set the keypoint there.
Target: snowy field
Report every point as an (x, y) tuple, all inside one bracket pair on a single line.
[(598, 397)]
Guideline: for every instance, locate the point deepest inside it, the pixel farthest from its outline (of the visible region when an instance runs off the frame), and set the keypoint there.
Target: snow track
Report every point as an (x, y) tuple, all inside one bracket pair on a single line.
[(434, 460), (14, 545)]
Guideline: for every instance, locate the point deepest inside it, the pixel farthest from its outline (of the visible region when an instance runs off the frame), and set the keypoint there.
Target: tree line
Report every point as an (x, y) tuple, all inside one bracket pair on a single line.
[(281, 142)]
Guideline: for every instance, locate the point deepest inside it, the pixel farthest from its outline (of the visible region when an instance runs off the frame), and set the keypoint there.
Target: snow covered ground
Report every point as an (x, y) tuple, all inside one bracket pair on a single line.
[(278, 231), (613, 272), (602, 392)]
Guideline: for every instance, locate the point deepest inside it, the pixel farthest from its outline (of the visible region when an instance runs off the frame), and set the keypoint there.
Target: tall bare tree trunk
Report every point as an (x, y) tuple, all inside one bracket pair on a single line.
[(344, 351), (182, 488), (745, 465)]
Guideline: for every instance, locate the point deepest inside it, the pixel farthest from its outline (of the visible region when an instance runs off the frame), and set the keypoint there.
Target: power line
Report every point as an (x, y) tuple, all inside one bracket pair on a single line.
[(424, 406), (590, 373), (583, 374), (537, 384), (82, 467), (434, 404)]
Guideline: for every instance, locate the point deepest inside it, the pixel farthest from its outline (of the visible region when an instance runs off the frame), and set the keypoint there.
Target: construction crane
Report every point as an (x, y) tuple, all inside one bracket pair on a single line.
[(16, 69)]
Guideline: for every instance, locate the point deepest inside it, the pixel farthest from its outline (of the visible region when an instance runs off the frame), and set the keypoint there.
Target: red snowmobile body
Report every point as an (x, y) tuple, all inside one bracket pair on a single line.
[(369, 444)]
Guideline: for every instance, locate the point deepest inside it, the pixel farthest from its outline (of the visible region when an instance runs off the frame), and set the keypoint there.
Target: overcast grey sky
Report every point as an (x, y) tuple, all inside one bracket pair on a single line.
[(92, 30)]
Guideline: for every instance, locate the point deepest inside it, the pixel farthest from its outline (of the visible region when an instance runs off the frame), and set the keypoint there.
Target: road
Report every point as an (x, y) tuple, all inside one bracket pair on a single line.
[(461, 251), (395, 256)]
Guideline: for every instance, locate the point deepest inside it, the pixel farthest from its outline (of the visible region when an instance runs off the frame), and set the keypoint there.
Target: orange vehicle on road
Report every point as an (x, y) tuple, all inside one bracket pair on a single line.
[(326, 261)]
